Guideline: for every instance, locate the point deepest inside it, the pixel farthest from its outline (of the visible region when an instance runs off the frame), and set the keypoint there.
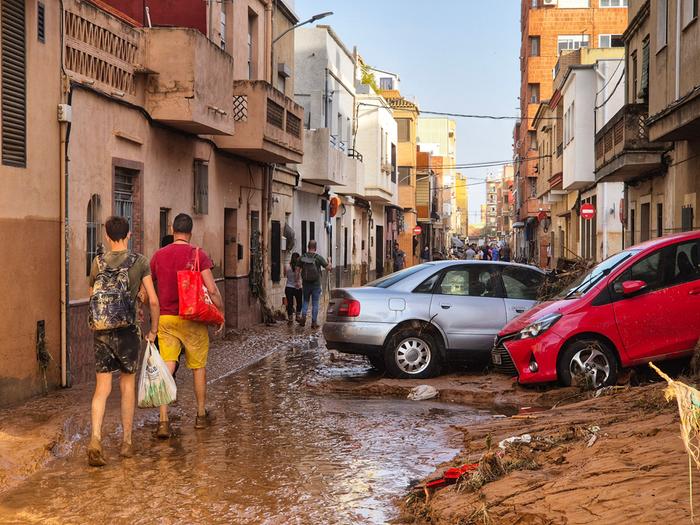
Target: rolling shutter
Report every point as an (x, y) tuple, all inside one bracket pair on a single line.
[(14, 117)]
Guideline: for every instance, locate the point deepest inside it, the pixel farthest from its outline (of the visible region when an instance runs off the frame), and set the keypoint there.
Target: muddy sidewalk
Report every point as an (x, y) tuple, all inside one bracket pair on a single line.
[(613, 459), (49, 427)]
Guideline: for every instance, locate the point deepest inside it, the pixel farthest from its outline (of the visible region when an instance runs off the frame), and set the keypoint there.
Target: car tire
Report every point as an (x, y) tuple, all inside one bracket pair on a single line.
[(377, 362), (591, 359), (412, 354)]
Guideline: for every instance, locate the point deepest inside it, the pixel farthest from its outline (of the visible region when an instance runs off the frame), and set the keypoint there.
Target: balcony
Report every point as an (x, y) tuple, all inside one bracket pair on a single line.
[(622, 148), (268, 124), (324, 161), (679, 120), (189, 81)]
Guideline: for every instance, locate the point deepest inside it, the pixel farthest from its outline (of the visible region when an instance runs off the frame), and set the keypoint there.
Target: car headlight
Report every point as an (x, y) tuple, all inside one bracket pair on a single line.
[(540, 326)]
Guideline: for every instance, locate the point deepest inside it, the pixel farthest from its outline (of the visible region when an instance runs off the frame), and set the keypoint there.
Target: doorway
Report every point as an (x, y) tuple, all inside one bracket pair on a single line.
[(379, 245)]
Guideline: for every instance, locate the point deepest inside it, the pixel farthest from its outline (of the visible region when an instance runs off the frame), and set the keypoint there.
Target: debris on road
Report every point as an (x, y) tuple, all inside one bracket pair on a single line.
[(423, 392), (525, 438)]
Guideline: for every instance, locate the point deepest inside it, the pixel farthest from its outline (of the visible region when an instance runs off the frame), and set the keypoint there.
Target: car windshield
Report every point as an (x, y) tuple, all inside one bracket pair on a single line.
[(393, 278), (590, 279)]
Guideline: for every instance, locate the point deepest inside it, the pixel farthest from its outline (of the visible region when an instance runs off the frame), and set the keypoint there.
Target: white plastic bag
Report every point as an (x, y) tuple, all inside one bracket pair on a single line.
[(156, 384), (423, 392)]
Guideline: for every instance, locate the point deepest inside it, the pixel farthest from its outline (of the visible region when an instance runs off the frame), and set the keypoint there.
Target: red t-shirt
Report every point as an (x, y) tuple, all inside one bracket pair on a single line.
[(165, 264)]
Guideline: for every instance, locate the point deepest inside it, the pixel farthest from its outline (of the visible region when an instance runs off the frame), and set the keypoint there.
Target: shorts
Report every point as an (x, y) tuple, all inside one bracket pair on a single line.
[(175, 333), (117, 349)]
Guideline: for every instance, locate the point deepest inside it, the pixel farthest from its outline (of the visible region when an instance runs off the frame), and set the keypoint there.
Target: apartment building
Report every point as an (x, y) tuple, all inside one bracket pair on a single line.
[(652, 144), (548, 28), (160, 114)]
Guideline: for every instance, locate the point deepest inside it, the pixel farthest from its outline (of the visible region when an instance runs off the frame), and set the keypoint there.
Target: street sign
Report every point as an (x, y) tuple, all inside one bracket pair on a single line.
[(587, 211), (417, 230)]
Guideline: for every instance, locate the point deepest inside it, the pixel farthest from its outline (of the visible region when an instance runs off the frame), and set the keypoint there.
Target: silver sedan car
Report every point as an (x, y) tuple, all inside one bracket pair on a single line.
[(412, 322)]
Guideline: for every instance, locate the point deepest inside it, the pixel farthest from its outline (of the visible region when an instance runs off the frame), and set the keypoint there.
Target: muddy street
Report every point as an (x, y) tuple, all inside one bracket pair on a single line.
[(278, 453)]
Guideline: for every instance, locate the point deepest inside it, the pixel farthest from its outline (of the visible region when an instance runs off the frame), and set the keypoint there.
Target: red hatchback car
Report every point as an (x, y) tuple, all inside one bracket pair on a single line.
[(639, 305)]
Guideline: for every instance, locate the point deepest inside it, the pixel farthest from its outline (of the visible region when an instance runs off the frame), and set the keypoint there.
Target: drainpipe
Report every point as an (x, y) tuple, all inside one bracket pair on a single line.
[(65, 128), (678, 49), (268, 40)]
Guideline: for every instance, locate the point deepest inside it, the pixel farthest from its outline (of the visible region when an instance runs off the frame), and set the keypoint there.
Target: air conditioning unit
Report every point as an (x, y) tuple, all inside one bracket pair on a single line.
[(549, 2)]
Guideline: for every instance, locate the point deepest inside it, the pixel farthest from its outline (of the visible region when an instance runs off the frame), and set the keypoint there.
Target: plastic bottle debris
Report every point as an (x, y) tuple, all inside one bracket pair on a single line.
[(525, 438), (423, 392)]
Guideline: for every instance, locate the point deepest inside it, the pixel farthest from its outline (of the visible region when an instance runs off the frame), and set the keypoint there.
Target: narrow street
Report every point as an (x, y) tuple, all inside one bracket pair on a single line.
[(278, 453)]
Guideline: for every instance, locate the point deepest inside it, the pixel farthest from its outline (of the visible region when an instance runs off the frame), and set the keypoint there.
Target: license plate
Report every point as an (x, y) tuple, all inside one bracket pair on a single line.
[(496, 358)]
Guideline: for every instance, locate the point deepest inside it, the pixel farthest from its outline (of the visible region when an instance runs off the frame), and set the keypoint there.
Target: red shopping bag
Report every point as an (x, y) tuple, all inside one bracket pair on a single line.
[(193, 297)]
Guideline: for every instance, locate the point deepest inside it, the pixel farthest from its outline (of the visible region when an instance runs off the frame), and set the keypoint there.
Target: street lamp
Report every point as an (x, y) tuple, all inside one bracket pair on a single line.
[(309, 21)]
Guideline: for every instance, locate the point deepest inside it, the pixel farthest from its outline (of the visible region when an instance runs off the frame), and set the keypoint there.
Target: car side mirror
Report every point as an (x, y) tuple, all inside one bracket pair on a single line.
[(632, 287)]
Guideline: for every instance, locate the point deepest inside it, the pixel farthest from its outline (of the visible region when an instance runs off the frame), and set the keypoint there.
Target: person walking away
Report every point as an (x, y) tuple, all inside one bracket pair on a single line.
[(504, 253), (425, 254), (293, 288), (470, 254), (495, 253), (175, 333), (485, 253), (399, 258), (115, 280), (311, 264)]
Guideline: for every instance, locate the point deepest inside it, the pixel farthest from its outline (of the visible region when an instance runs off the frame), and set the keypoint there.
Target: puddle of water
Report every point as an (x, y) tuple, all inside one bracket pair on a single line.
[(277, 454)]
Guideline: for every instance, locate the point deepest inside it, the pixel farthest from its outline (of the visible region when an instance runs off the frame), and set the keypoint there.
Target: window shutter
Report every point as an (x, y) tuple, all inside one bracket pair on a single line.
[(41, 22), (201, 187), (645, 69), (14, 117)]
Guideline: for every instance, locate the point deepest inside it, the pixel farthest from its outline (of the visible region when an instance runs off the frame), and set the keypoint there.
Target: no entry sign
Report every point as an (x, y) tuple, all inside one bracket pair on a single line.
[(417, 230), (587, 211)]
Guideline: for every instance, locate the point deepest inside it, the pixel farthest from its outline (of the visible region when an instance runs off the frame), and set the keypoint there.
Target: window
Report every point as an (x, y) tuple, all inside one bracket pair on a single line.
[(610, 41), (533, 186), (276, 252), (312, 230), (571, 42), (403, 126), (164, 223), (405, 176), (661, 24), (13, 83), (690, 11), (613, 3), (649, 270), (521, 283), (473, 281), (222, 29), (534, 46), (252, 29), (687, 217), (201, 187), (645, 69), (569, 124), (533, 93), (304, 237), (532, 136), (659, 219), (94, 228), (124, 186), (386, 83), (40, 22), (686, 263), (635, 84)]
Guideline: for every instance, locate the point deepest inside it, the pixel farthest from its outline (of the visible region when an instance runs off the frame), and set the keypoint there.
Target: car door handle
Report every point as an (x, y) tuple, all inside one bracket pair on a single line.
[(519, 310), (694, 291), (445, 306)]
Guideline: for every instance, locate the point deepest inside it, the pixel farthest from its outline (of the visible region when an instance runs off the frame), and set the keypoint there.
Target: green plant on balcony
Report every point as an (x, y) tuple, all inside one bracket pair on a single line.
[(368, 78)]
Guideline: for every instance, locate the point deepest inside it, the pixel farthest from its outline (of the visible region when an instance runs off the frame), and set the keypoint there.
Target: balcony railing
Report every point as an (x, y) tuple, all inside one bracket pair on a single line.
[(622, 148)]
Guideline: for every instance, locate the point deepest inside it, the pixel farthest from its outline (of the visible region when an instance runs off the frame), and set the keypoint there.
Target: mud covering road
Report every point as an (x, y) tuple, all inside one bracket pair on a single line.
[(634, 471)]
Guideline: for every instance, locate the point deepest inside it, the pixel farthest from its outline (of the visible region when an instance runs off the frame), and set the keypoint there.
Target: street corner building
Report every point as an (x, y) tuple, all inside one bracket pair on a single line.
[(111, 109)]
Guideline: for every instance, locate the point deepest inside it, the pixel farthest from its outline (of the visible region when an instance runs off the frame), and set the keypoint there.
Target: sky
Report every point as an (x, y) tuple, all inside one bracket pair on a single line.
[(458, 56)]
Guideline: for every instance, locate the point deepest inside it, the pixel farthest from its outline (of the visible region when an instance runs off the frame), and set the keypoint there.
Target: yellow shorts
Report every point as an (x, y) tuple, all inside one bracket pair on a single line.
[(175, 333)]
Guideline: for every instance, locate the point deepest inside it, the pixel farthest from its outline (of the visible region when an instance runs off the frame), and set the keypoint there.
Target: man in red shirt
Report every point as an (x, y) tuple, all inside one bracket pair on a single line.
[(175, 333)]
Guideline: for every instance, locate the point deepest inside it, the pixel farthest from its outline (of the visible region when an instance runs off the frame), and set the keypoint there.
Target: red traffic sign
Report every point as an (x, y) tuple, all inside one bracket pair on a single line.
[(417, 230), (587, 211)]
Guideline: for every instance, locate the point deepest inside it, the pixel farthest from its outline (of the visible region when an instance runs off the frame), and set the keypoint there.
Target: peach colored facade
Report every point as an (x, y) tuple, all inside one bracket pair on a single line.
[(163, 121)]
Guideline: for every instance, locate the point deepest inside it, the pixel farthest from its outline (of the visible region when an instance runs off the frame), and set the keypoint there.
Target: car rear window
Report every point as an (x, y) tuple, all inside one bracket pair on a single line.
[(391, 279)]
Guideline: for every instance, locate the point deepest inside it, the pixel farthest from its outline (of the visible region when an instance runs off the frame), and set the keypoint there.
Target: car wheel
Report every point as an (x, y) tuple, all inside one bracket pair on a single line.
[(588, 361), (377, 362), (412, 354)]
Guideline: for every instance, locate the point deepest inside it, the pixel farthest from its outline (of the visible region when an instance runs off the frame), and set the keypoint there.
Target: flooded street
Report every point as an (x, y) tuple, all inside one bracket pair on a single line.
[(278, 453)]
